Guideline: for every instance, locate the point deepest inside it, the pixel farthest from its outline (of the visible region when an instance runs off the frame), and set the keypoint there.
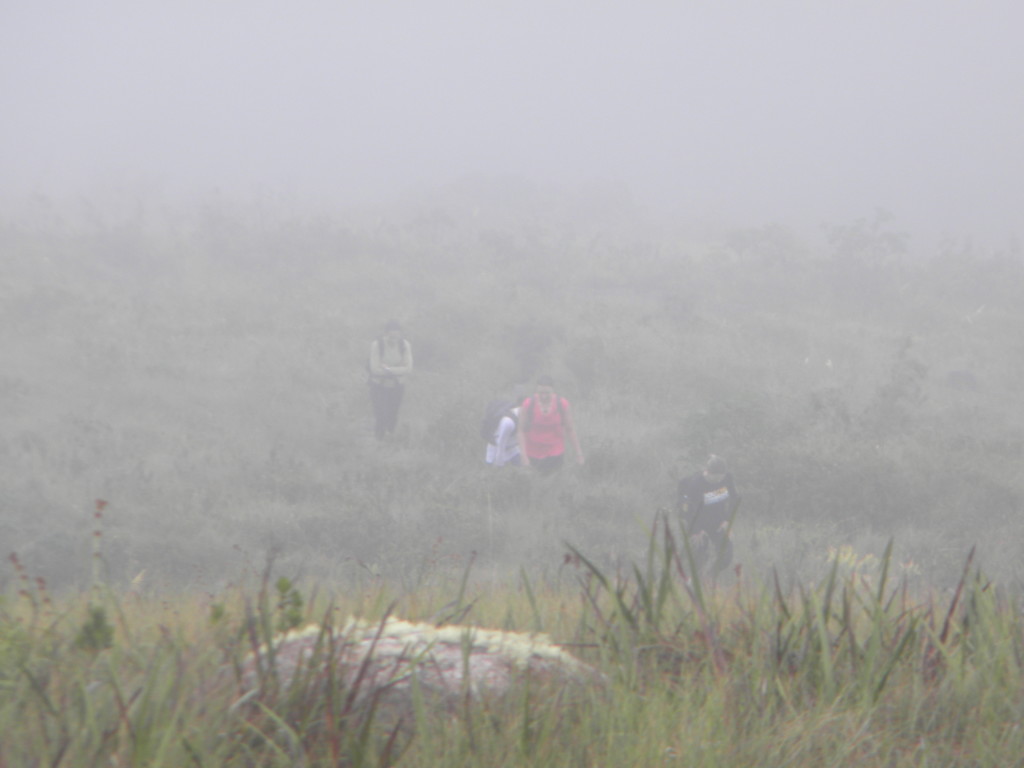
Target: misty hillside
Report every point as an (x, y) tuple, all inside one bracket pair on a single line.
[(203, 370)]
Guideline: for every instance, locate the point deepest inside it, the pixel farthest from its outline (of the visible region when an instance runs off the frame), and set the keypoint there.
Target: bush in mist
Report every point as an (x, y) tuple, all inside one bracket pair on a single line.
[(206, 374)]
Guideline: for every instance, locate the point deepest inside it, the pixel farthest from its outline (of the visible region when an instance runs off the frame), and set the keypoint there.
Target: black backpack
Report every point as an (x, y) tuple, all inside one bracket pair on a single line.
[(495, 411)]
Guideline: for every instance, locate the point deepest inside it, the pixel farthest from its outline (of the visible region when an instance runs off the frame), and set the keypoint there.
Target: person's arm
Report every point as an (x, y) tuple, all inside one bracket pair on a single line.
[(376, 367), (399, 371), (570, 427), (506, 432), (524, 416), (734, 497), (405, 367)]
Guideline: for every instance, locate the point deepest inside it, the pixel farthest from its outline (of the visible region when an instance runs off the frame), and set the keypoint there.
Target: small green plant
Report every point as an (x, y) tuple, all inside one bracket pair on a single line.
[(833, 672), (850, 561), (289, 605), (96, 633)]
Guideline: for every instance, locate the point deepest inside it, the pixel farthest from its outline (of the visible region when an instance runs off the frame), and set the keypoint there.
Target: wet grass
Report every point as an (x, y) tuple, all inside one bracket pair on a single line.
[(855, 668)]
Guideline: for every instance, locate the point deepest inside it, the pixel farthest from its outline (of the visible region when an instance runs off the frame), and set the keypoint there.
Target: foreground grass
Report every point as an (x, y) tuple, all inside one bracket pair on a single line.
[(852, 670)]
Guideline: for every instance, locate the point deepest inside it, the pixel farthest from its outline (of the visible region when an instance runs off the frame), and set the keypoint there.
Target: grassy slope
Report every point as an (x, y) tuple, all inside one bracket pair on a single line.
[(852, 670), (204, 374)]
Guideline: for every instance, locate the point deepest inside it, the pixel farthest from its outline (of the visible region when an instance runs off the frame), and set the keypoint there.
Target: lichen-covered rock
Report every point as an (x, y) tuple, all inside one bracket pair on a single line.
[(394, 661)]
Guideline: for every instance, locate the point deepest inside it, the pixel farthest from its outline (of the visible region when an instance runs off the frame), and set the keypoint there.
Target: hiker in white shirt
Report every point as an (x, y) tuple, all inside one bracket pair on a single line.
[(504, 449)]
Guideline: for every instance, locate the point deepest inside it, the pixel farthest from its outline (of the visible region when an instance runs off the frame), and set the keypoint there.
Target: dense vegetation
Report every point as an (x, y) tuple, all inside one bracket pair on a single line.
[(203, 371), (187, 420), (852, 670)]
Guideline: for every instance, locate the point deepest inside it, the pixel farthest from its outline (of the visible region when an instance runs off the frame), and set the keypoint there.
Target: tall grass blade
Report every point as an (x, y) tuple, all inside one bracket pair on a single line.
[(830, 586), (538, 621), (780, 600), (646, 599), (292, 738), (624, 611), (694, 584), (886, 562), (943, 636), (826, 662), (908, 635), (697, 598), (364, 666), (38, 689)]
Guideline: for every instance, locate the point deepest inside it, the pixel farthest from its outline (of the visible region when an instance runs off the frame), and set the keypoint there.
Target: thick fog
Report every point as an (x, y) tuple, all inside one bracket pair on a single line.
[(750, 112), (208, 211)]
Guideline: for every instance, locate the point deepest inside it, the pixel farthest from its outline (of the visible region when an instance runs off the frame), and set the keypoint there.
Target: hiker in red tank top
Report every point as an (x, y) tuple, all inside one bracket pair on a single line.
[(544, 422)]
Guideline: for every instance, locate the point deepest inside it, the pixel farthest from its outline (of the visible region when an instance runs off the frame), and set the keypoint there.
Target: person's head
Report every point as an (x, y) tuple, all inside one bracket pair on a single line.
[(545, 389), (715, 469), (393, 330)]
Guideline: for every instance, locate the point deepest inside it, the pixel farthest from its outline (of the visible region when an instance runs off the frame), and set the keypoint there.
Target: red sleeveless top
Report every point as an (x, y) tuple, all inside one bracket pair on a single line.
[(545, 432)]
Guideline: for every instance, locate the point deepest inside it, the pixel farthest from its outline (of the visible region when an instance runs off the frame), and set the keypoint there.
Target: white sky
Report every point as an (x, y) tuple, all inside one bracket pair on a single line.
[(757, 111)]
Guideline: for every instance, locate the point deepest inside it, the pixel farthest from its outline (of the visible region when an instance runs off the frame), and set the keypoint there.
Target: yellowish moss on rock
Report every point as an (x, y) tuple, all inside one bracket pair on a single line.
[(390, 660)]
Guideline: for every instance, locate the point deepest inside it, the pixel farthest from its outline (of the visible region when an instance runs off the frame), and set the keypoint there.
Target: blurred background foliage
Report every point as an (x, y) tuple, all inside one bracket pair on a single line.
[(203, 370)]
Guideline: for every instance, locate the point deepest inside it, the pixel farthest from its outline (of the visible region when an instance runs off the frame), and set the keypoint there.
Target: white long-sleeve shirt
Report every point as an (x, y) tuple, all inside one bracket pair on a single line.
[(505, 447)]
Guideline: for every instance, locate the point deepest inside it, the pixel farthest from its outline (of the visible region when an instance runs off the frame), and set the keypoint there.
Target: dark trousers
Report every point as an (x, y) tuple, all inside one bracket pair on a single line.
[(549, 464), (714, 551), (720, 554), (386, 401)]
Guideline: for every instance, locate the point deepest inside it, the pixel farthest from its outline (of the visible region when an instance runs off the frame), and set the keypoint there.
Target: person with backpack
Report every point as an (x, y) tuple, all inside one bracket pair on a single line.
[(498, 428), (545, 420), (707, 501), (389, 365)]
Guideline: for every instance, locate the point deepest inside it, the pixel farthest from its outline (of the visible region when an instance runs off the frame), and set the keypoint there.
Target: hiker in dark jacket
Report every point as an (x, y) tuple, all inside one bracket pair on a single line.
[(706, 502), (390, 364)]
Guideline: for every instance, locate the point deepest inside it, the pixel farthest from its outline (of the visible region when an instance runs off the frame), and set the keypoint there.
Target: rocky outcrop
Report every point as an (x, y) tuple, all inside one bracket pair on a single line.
[(396, 663)]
